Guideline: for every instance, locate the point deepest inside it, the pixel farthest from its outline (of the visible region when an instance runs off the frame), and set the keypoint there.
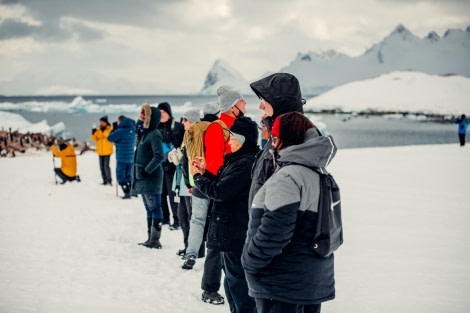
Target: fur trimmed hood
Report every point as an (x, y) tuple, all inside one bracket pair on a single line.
[(152, 116)]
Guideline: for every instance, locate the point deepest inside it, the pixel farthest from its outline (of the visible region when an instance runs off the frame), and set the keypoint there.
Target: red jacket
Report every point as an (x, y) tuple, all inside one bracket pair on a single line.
[(214, 145)]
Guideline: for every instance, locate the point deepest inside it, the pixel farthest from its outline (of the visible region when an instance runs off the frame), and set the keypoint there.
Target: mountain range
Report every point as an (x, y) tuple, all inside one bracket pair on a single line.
[(400, 51)]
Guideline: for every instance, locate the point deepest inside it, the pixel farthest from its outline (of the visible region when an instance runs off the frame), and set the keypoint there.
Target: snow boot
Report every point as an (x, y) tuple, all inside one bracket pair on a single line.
[(212, 297), (126, 189), (149, 226), (189, 263), (155, 233)]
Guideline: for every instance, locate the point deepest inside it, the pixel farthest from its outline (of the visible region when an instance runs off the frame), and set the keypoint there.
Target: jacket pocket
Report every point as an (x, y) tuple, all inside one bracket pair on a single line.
[(218, 232)]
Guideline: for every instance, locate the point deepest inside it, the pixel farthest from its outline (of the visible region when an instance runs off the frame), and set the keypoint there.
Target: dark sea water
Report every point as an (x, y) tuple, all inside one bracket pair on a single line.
[(357, 132)]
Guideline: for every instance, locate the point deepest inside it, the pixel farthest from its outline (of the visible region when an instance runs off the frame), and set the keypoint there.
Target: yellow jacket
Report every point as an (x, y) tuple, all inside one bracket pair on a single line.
[(103, 146), (68, 160)]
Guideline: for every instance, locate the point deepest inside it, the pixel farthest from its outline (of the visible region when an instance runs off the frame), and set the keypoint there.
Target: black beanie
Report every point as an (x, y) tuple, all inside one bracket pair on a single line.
[(247, 128), (165, 106), (105, 119)]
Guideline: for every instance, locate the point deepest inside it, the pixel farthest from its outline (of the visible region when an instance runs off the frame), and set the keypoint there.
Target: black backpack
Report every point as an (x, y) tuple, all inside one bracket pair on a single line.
[(328, 235)]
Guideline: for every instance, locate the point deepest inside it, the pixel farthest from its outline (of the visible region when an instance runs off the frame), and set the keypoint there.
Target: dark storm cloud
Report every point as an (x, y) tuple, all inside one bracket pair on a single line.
[(50, 31)]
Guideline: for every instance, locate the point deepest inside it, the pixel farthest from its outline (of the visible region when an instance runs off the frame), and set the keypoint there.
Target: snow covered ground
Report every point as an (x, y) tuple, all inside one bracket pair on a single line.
[(72, 248)]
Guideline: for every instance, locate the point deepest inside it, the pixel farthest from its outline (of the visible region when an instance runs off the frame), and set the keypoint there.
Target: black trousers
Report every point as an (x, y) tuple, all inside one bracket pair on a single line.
[(274, 306), (105, 170), (62, 176), (168, 196), (184, 216), (235, 285), (462, 139), (212, 271)]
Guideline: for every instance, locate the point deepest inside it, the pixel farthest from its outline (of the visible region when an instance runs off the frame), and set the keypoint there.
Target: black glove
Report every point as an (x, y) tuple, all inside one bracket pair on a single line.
[(115, 125), (93, 131), (144, 174), (49, 143)]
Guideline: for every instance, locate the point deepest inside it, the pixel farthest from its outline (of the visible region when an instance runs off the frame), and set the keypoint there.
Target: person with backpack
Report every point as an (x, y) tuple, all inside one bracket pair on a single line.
[(229, 217), (147, 173), (172, 133), (183, 184), (463, 125), (284, 273), (212, 145), (104, 148), (278, 93), (123, 136)]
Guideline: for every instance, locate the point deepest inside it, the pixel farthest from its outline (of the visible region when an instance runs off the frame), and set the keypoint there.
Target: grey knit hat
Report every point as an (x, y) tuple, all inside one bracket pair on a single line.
[(192, 115), (210, 108), (227, 98)]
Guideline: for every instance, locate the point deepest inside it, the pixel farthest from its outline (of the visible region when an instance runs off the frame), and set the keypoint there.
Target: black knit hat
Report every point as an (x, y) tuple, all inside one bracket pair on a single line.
[(105, 119), (165, 106), (247, 128)]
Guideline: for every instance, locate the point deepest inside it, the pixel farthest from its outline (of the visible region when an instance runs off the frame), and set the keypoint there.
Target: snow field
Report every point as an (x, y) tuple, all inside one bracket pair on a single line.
[(73, 247)]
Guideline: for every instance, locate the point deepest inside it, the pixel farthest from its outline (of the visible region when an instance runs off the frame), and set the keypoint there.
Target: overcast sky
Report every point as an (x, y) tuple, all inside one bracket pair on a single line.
[(160, 47)]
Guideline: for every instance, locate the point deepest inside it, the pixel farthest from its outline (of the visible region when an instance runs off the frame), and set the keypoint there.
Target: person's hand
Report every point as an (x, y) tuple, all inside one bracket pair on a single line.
[(144, 174), (190, 191), (197, 166)]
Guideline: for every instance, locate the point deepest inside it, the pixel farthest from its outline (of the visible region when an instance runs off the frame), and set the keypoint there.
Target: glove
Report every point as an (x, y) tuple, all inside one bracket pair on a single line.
[(93, 131), (115, 125), (49, 143), (144, 174)]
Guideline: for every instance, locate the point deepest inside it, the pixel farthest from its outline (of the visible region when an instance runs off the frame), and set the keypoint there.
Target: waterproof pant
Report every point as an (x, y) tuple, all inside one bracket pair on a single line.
[(274, 306), (212, 271), (105, 170), (462, 139), (235, 285), (123, 172), (153, 206), (168, 199), (184, 216), (64, 177), (200, 206)]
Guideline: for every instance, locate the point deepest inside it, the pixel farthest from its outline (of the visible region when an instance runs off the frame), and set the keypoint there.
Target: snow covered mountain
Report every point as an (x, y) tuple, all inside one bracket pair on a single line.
[(400, 51), (413, 92), (222, 73)]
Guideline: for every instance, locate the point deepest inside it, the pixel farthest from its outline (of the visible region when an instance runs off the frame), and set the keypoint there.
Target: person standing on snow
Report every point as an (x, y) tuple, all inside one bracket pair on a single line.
[(229, 217), (232, 105), (147, 173), (173, 133), (123, 136), (104, 148), (463, 124), (278, 93), (284, 274)]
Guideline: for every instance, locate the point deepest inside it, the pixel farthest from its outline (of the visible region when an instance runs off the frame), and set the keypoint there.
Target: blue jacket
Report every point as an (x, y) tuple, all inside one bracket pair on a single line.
[(124, 140), (463, 124), (277, 258)]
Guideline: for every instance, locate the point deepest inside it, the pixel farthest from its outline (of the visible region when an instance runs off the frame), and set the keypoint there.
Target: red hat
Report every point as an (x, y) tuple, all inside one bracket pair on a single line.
[(276, 129)]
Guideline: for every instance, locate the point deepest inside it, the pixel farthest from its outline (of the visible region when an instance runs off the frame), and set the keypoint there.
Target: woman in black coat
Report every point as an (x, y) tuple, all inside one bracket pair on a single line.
[(229, 217)]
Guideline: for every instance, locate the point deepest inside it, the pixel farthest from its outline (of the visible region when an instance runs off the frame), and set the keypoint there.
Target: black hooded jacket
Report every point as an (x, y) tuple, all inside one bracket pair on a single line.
[(172, 133), (282, 91)]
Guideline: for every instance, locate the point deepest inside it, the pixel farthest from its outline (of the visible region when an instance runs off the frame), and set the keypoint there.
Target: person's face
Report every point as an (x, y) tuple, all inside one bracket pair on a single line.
[(142, 116), (165, 117), (266, 107), (235, 145), (276, 143), (103, 124), (238, 108), (186, 123)]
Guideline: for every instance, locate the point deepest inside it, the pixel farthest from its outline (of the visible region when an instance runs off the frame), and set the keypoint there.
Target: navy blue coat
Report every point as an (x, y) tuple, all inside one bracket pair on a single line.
[(124, 140)]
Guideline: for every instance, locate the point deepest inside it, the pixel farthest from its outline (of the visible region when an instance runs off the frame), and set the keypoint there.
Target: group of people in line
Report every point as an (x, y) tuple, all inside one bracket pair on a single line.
[(249, 211)]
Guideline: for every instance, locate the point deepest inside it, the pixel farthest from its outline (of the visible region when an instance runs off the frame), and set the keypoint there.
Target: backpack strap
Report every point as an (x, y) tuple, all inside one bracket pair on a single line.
[(225, 130)]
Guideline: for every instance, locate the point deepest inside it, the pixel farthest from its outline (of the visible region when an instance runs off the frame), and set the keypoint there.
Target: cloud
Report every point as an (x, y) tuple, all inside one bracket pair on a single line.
[(48, 31)]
